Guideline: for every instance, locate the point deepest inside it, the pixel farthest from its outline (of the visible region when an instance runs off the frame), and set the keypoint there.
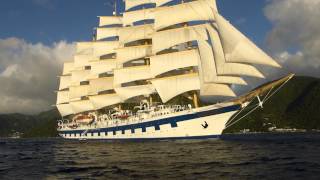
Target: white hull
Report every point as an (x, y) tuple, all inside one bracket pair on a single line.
[(188, 128)]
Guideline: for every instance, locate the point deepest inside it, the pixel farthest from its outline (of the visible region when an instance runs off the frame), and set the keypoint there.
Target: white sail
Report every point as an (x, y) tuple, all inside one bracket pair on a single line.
[(134, 33), (173, 86), (201, 10), (165, 39), (126, 93), (62, 97), (101, 48), (110, 20), (67, 68), (103, 33), (213, 89), (65, 82), (161, 2), (135, 16), (81, 61), (208, 69), (238, 48), (78, 91), (100, 84), (134, 3), (224, 67), (81, 106), (127, 54), (131, 74), (103, 66), (65, 109), (84, 48), (79, 76), (105, 100), (167, 62)]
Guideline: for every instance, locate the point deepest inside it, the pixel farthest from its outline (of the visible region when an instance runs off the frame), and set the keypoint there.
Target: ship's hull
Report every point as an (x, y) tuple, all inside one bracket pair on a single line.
[(199, 124)]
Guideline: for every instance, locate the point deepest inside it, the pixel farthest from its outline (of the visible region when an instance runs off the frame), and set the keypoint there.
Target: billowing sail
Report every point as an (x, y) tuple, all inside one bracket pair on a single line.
[(65, 109), (208, 69), (134, 33), (213, 89), (201, 10), (126, 93), (133, 3), (100, 84), (135, 16), (103, 33), (81, 106), (79, 76), (103, 66), (67, 68), (110, 20), (62, 97), (105, 100), (78, 91), (131, 74), (173, 86), (127, 54), (169, 38), (167, 62), (65, 82), (238, 48), (227, 68)]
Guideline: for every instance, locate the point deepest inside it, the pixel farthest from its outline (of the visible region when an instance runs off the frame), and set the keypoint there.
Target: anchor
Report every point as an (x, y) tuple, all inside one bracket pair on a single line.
[(205, 126)]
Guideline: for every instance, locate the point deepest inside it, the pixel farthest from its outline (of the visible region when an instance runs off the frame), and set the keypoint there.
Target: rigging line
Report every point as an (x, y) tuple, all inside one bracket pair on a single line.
[(231, 124), (239, 112), (267, 94), (278, 89)]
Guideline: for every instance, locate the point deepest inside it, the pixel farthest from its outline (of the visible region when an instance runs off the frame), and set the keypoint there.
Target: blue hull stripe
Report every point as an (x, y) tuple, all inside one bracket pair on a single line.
[(155, 123)]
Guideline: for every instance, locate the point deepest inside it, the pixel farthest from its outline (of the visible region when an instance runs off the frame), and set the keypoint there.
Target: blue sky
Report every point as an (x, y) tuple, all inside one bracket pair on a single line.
[(49, 21)]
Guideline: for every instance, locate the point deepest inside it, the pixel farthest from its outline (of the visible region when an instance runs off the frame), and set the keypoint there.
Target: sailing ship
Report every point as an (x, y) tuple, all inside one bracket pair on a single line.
[(161, 70)]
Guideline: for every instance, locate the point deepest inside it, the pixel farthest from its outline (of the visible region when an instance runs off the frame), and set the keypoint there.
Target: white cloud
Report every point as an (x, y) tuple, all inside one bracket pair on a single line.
[(28, 74), (295, 37)]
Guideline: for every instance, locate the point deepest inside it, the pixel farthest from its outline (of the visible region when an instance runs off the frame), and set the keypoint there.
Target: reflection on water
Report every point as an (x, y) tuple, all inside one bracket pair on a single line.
[(249, 157)]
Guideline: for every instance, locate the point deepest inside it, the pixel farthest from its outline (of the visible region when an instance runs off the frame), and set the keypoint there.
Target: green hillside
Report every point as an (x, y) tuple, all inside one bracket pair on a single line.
[(297, 105)]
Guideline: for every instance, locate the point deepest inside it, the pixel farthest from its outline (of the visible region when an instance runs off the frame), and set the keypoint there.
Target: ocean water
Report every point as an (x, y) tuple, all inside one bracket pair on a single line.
[(272, 156)]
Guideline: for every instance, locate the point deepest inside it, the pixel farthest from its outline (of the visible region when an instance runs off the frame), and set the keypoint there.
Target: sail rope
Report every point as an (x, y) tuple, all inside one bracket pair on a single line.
[(266, 98)]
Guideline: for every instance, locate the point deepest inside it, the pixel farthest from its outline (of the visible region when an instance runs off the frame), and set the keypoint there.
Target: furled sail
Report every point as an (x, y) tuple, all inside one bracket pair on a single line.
[(127, 54), (167, 62), (135, 16), (105, 100), (238, 48), (134, 3), (126, 93), (62, 97), (78, 91), (103, 33), (103, 66), (110, 20), (67, 68), (65, 109), (65, 82), (81, 106), (165, 39), (134, 33), (131, 74), (100, 84), (170, 87), (208, 69), (201, 10)]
